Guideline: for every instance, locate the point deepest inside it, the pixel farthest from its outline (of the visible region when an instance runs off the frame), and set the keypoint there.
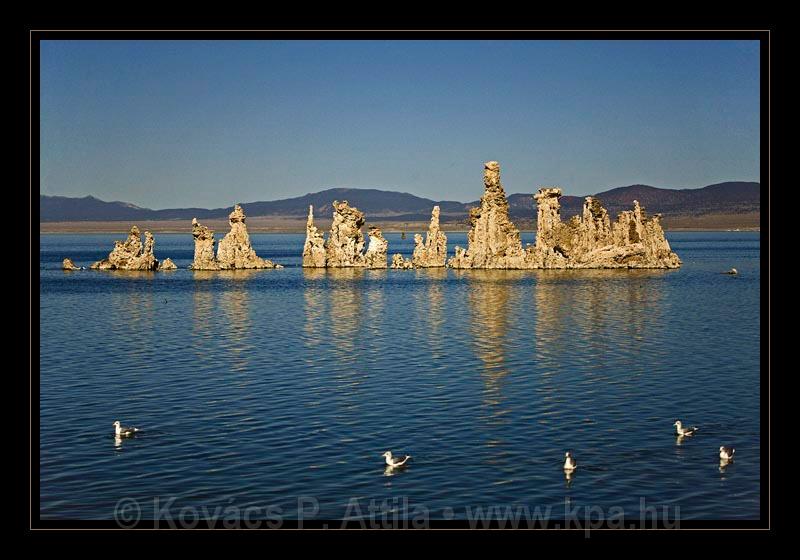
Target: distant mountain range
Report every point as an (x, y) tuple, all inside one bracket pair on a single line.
[(723, 198)]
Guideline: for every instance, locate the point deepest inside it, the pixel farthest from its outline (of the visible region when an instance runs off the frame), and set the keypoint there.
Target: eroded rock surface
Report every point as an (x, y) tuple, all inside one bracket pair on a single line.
[(67, 264), (493, 240), (376, 255), (345, 242), (234, 251), (433, 251), (590, 240), (167, 264), (314, 248), (131, 254), (204, 258), (399, 262)]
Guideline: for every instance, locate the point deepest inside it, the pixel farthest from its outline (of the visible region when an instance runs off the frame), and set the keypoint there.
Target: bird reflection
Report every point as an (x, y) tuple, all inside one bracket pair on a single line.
[(117, 443), (723, 465), (391, 471), (568, 478), (679, 439)]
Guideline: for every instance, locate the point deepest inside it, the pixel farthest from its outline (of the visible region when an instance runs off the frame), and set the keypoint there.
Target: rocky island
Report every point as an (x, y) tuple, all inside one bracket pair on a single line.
[(590, 240), (67, 264), (345, 244), (131, 254), (234, 250)]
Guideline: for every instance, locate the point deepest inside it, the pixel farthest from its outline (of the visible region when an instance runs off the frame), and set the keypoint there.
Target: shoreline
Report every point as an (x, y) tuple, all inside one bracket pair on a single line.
[(408, 232), (270, 224)]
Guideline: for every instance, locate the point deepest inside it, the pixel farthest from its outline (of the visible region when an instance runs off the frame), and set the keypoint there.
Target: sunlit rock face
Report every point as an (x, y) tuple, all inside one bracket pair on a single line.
[(131, 254), (433, 251), (376, 255), (314, 247), (345, 242), (235, 251), (493, 241), (67, 264), (167, 264), (204, 258), (590, 240), (399, 262)]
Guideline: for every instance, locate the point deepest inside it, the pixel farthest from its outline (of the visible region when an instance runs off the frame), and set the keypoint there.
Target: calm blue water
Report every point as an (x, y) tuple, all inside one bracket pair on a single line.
[(282, 388)]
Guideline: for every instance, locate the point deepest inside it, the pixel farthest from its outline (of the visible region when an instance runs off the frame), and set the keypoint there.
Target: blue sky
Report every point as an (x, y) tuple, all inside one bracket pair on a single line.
[(208, 123)]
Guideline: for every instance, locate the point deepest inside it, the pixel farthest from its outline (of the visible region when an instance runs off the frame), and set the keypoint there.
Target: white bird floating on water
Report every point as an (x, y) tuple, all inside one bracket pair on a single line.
[(726, 453), (684, 431), (731, 271), (569, 463), (124, 431), (397, 461)]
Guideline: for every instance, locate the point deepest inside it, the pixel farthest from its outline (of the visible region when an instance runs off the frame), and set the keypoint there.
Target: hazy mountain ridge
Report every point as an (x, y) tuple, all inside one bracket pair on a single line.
[(728, 197)]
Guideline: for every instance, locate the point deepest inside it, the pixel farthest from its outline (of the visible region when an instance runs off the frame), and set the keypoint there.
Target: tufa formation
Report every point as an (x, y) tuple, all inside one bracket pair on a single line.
[(131, 254), (234, 251), (590, 240), (67, 264), (433, 252), (344, 247)]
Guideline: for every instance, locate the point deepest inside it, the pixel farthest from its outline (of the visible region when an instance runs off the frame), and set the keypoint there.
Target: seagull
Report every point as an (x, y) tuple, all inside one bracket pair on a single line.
[(684, 431), (397, 461), (124, 431), (569, 463), (731, 271), (726, 453)]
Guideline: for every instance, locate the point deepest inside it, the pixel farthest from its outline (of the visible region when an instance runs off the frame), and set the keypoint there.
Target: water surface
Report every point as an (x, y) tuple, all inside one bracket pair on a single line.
[(262, 388)]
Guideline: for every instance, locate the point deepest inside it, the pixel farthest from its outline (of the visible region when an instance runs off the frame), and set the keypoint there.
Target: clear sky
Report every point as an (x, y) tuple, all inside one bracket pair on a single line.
[(207, 123)]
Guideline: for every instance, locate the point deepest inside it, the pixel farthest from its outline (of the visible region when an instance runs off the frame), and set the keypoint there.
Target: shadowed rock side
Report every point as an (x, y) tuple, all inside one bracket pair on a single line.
[(204, 258), (433, 252), (590, 240), (235, 251), (130, 255), (67, 264)]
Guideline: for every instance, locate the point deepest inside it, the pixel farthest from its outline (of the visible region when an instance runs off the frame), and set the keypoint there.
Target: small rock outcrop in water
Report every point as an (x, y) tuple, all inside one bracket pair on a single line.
[(314, 248), (376, 251), (167, 264), (235, 251), (131, 254), (587, 241), (433, 252), (67, 264), (399, 262), (204, 258)]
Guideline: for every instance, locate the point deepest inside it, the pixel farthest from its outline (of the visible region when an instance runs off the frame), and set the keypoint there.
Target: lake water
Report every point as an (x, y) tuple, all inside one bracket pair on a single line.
[(282, 388)]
